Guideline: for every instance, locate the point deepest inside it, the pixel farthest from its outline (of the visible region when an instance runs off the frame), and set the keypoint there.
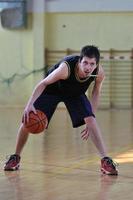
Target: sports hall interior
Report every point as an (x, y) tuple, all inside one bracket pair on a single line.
[(58, 164)]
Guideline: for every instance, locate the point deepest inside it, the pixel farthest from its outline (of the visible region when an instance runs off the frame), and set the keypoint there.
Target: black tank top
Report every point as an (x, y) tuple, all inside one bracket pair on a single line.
[(72, 86)]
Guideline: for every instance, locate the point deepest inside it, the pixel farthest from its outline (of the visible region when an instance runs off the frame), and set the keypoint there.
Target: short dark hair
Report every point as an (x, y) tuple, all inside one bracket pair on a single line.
[(91, 52)]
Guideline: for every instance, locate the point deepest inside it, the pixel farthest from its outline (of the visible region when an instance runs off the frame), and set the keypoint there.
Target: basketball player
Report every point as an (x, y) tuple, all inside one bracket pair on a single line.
[(68, 81)]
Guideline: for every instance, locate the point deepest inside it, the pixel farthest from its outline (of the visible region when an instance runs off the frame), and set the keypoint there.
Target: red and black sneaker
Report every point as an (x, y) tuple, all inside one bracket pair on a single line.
[(108, 166), (12, 163)]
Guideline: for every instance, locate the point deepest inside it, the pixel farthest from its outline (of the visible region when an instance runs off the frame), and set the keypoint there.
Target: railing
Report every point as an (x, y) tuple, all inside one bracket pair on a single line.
[(117, 89)]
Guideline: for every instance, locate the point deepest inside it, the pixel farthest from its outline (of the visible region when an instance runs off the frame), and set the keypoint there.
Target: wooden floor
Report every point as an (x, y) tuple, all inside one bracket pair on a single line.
[(58, 165)]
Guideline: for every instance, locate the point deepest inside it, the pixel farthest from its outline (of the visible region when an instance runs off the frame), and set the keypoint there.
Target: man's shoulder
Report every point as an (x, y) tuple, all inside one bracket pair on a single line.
[(71, 58)]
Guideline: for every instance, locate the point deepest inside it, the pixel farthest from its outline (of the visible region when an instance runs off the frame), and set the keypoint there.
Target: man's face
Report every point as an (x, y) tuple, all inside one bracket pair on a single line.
[(87, 66)]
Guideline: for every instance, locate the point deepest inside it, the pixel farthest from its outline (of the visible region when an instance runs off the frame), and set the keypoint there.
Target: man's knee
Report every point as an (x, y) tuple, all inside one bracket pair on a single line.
[(90, 121)]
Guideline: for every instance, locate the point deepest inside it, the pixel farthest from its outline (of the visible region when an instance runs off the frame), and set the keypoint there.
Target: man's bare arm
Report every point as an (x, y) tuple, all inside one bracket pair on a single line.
[(97, 89)]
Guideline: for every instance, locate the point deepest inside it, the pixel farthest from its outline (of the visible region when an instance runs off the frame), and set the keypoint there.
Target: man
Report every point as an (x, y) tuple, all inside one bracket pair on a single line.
[(68, 81)]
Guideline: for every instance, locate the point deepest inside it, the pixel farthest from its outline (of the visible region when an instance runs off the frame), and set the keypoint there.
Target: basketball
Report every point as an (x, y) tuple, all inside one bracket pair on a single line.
[(37, 122)]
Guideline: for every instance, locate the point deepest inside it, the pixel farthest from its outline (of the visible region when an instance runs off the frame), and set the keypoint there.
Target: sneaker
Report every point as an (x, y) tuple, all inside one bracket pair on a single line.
[(12, 163), (108, 166)]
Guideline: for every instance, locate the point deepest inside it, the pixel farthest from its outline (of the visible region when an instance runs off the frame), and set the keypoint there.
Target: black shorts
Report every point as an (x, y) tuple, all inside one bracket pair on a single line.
[(78, 107)]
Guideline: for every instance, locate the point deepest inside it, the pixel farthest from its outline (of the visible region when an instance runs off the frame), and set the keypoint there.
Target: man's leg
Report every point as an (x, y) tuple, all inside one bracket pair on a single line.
[(95, 134), (92, 130), (14, 160), (45, 103), (80, 111), (22, 137)]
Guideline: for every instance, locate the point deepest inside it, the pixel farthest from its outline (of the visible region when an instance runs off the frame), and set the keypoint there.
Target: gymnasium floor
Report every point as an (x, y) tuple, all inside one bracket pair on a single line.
[(60, 166)]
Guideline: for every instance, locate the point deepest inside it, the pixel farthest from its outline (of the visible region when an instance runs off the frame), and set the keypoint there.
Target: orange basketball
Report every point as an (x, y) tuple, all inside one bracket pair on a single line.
[(37, 122)]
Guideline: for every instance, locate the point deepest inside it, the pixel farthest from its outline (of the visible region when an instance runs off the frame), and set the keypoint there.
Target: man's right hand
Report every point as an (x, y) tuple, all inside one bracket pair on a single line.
[(27, 110)]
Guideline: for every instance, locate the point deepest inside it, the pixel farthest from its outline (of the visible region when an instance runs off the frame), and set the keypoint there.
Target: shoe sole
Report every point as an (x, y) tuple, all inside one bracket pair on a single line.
[(109, 173), (12, 169)]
